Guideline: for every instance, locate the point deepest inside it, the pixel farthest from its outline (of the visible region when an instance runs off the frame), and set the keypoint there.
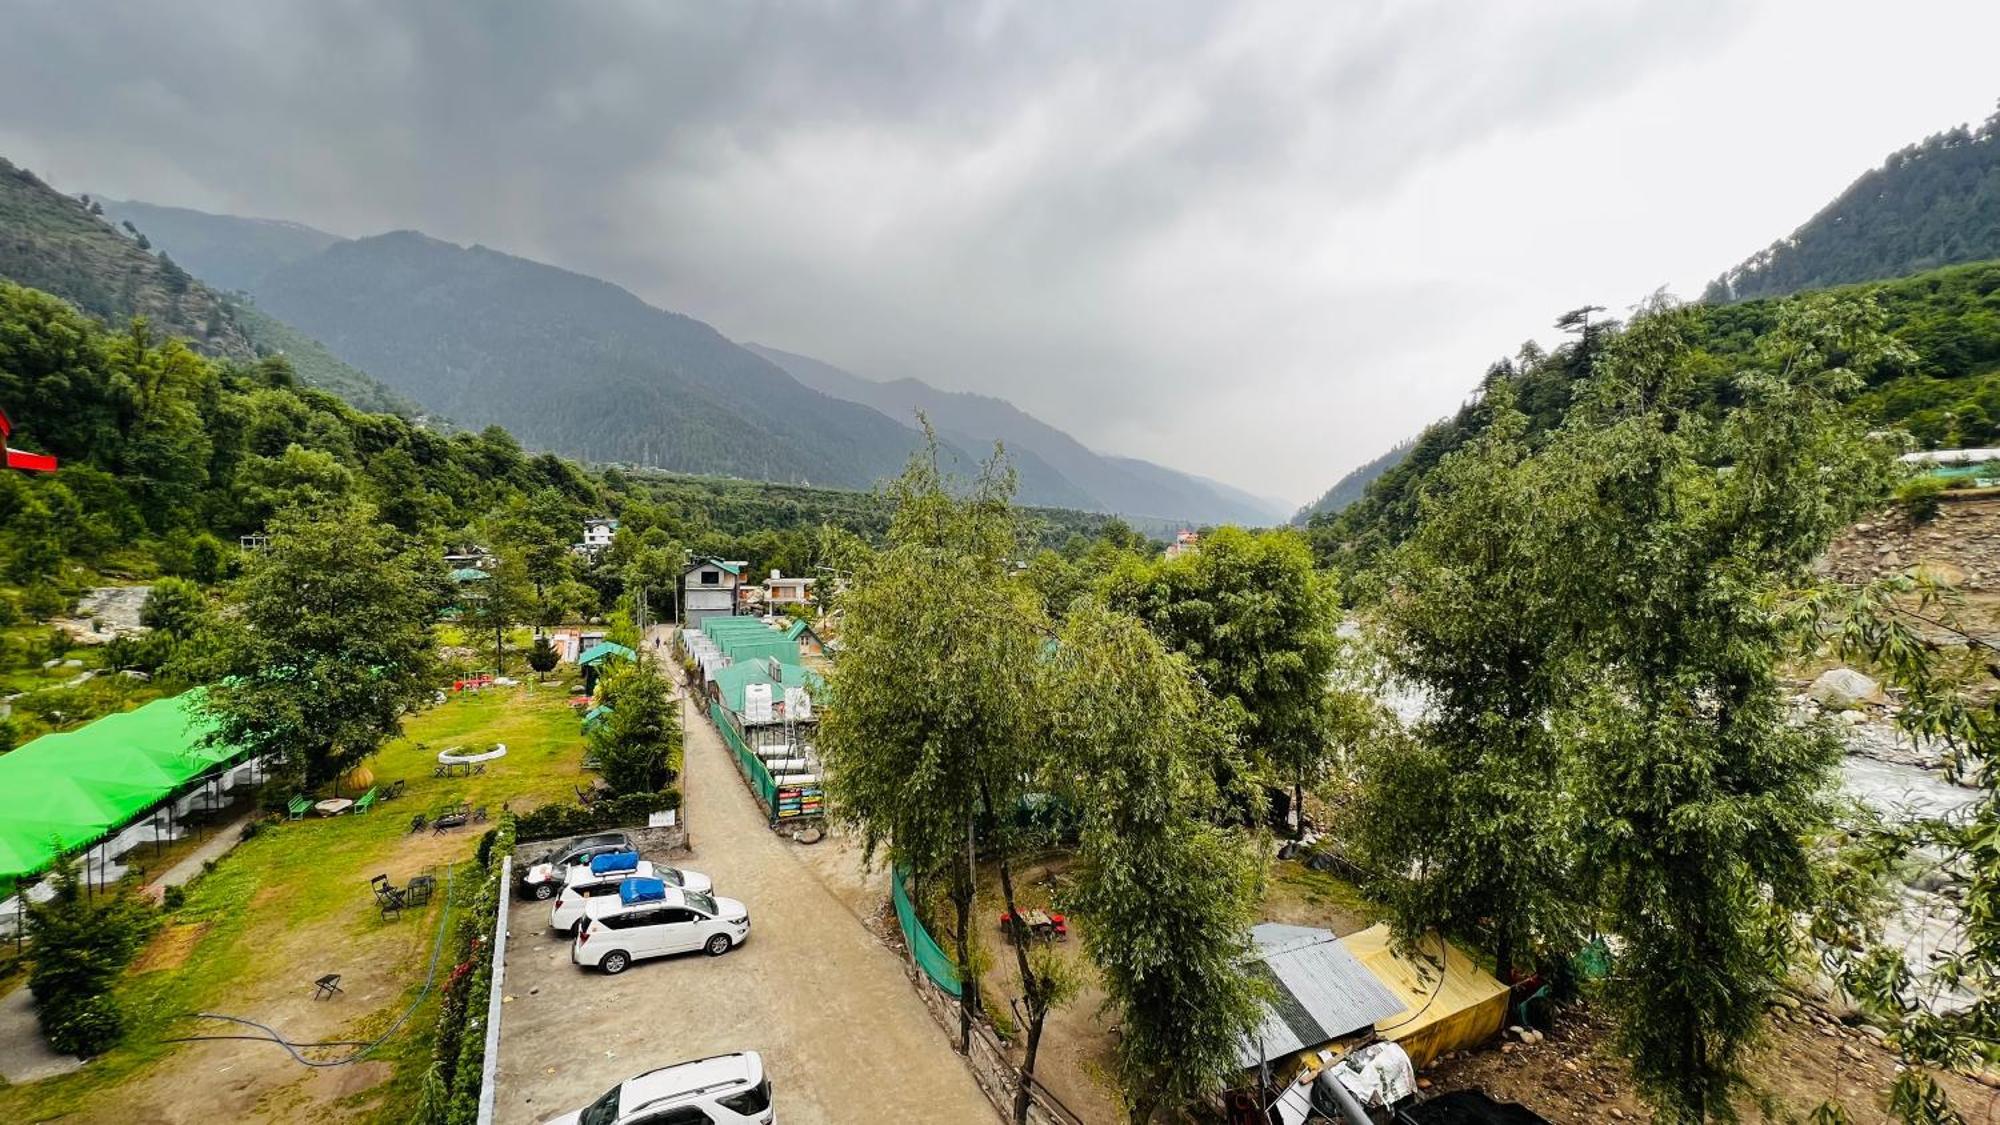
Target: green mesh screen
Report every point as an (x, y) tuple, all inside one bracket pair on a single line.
[(930, 956)]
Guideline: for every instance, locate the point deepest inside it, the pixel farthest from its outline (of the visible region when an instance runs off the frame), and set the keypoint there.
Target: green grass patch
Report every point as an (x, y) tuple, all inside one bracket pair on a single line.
[(293, 902)]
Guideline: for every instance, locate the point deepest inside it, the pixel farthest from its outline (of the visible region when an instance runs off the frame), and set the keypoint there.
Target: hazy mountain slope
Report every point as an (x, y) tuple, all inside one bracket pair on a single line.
[(1123, 485), (225, 251), (50, 241), (573, 364), (317, 367), (1932, 204), (1349, 488)]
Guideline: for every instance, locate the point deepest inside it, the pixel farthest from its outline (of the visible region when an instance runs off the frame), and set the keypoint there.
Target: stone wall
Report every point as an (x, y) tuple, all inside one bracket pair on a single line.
[(1958, 548), (653, 843)]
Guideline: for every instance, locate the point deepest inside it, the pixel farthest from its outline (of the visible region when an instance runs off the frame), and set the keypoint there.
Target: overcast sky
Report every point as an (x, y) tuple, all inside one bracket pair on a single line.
[(1262, 242)]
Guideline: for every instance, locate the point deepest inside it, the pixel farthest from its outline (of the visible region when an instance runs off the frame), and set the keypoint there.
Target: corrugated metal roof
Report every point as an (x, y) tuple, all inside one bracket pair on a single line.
[(1321, 992)]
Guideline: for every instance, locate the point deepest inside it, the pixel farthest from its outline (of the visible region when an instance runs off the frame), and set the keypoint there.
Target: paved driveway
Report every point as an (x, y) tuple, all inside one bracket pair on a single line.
[(843, 1035)]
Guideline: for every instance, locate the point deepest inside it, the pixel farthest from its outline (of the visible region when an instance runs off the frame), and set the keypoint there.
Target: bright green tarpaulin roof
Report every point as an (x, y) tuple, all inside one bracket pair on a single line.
[(65, 790), (604, 649)]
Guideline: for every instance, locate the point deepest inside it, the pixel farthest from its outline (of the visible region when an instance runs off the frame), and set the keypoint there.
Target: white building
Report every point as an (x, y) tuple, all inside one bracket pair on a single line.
[(597, 535)]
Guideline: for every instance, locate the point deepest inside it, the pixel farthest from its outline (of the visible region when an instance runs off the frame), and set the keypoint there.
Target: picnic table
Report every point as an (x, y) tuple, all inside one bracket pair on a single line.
[(333, 806), (1035, 923)]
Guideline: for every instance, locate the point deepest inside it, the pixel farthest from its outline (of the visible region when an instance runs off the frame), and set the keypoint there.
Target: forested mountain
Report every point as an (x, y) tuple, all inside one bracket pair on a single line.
[(1055, 467), (573, 364), (226, 251), (1350, 488), (51, 242), (1949, 395), (63, 246), (1932, 204)]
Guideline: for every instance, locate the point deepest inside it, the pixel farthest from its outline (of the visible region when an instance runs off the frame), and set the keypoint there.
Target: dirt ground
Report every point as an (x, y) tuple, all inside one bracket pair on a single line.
[(1572, 1078), (844, 1036)]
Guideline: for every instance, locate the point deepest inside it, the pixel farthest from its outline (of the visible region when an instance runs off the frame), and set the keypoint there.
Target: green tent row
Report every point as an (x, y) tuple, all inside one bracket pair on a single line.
[(63, 791)]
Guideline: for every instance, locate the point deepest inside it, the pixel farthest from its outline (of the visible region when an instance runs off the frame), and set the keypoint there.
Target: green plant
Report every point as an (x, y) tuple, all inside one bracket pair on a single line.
[(82, 943), (1918, 497), (552, 821), (174, 898)]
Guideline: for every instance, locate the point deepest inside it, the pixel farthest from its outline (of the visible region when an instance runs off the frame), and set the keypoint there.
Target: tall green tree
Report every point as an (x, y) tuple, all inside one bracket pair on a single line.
[(326, 643), (1260, 624), (1165, 896), (1470, 817), (638, 748), (930, 720), (1699, 794)]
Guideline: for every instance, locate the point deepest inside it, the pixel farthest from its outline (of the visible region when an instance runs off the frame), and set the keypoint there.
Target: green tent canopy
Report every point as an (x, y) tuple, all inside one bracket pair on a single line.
[(604, 650), (63, 791)]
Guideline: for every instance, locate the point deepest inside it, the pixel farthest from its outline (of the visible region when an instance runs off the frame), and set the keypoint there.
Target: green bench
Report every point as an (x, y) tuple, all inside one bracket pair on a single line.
[(367, 800), (297, 806)]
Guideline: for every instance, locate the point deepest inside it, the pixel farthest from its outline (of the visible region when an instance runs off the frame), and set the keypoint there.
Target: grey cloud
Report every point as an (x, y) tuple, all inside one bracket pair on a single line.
[(1123, 217)]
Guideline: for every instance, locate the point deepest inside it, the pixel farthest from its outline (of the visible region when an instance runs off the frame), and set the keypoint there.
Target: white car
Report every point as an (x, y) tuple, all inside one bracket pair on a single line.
[(584, 885), (725, 1090), (653, 920)]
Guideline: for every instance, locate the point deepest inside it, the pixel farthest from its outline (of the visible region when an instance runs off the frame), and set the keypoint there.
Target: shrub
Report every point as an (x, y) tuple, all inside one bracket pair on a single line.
[(81, 944), (87, 1028), (175, 897), (551, 821), (1918, 497)]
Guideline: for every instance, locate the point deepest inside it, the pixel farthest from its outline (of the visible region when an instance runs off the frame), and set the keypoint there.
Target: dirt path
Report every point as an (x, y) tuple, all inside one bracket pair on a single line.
[(843, 1035)]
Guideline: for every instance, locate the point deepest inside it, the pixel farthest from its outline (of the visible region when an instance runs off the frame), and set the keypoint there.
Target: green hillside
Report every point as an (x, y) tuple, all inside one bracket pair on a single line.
[(573, 364), (1932, 204), (64, 246), (1949, 395), (227, 252), (51, 242)]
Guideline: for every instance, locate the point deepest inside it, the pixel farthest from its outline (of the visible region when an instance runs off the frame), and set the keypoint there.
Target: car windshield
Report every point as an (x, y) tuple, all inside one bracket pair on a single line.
[(545, 857), (702, 903), (603, 1111), (669, 876)]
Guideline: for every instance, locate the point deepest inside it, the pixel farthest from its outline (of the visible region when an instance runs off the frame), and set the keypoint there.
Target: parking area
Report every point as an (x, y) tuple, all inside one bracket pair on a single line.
[(843, 1035)]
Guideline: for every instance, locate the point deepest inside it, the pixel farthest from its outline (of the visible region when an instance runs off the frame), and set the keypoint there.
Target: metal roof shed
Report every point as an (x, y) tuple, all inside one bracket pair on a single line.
[(1320, 992)]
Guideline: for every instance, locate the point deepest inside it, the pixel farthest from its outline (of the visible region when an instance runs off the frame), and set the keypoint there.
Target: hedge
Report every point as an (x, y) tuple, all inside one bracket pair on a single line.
[(451, 1088), (552, 821)]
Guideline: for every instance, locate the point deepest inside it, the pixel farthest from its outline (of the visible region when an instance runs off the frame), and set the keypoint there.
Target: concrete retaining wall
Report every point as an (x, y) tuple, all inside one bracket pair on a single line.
[(653, 842)]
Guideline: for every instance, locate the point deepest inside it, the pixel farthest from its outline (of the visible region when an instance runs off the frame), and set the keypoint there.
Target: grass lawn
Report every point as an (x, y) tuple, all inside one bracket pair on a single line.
[(292, 903)]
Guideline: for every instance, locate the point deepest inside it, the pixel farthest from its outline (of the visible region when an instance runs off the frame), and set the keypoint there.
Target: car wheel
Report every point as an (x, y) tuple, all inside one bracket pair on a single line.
[(615, 962), (544, 892), (717, 945)]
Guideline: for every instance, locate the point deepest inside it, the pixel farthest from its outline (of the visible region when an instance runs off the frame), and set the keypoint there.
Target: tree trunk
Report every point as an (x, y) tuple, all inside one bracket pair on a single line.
[(1030, 988), (963, 885), (1298, 809)]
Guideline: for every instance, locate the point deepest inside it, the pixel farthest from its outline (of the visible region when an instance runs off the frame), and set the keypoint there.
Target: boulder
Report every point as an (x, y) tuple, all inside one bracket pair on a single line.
[(1843, 688)]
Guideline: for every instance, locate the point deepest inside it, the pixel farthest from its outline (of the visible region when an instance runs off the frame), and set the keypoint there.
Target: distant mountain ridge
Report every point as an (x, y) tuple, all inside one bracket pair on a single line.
[(1050, 461), (1355, 484), (573, 364), (227, 252), (55, 243)]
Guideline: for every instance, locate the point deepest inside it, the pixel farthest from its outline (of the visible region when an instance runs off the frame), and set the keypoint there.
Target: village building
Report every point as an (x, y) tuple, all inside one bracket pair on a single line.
[(709, 589), (597, 535), (780, 591), (1185, 542)]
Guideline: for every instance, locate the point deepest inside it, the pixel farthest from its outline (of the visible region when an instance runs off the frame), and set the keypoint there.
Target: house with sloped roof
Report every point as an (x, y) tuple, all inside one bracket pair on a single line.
[(709, 589)]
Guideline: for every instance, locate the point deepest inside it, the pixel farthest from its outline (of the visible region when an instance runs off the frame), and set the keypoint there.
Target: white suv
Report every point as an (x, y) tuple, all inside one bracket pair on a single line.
[(584, 885), (656, 921), (724, 1090)]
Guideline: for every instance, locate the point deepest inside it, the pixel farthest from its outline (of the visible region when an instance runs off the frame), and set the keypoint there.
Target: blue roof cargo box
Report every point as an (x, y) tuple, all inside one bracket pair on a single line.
[(634, 891), (611, 863)]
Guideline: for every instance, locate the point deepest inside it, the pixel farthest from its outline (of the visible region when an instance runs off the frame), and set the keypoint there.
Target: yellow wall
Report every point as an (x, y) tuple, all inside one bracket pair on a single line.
[(1470, 1005)]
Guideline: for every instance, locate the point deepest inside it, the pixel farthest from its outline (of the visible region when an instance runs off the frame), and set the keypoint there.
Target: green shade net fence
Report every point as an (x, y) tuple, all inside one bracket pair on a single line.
[(930, 955), (65, 791), (753, 766)]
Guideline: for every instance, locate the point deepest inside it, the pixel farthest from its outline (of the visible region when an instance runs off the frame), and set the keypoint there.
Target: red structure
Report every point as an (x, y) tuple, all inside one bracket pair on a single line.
[(19, 459)]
